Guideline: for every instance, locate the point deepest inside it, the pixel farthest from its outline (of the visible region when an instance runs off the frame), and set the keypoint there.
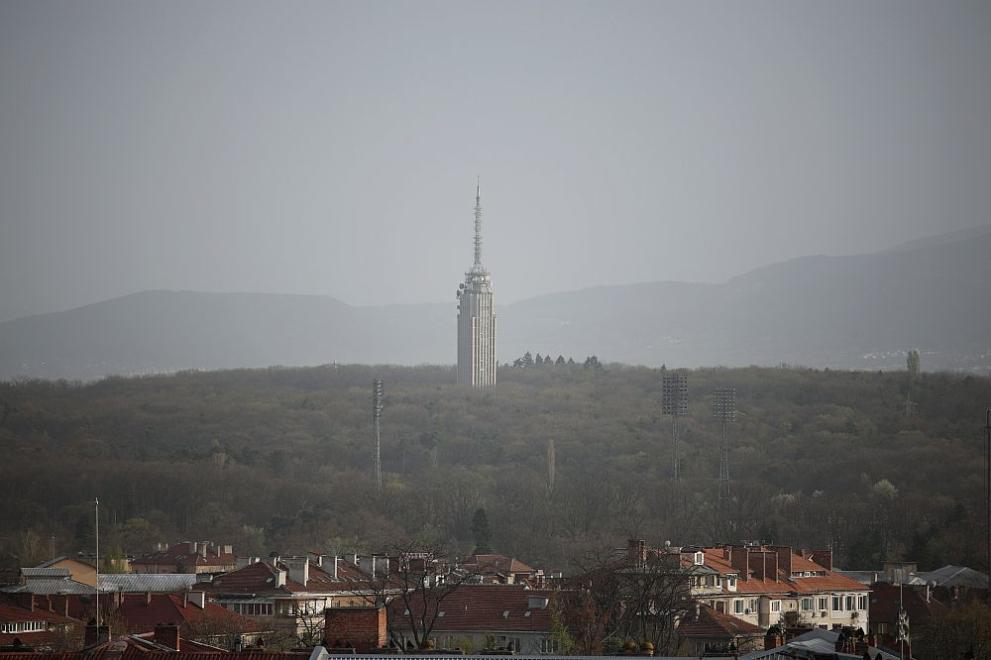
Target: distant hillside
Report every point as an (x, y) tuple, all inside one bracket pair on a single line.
[(845, 312)]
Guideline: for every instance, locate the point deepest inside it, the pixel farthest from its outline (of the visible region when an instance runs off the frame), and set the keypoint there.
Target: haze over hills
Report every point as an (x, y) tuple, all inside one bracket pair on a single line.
[(858, 311)]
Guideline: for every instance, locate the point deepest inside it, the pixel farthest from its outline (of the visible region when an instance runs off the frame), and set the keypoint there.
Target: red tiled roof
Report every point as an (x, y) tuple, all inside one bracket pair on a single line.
[(141, 614), (885, 599), (713, 624), (180, 553), (495, 564), (829, 581), (260, 578), (129, 650), (10, 613), (481, 607), (253, 578)]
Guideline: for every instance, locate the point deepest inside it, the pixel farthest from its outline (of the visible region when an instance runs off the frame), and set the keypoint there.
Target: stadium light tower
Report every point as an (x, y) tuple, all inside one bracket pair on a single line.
[(724, 409), (674, 402), (376, 419)]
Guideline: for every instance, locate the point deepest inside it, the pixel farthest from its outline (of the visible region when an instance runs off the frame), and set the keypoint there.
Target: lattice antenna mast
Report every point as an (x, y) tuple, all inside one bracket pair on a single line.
[(478, 224), (674, 402), (724, 409), (377, 421)]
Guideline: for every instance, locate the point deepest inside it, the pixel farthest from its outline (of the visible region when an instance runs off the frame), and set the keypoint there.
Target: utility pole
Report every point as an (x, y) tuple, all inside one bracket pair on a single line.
[(97, 507)]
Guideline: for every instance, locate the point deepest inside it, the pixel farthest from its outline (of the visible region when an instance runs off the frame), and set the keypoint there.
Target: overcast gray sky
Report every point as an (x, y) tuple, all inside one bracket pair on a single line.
[(332, 147)]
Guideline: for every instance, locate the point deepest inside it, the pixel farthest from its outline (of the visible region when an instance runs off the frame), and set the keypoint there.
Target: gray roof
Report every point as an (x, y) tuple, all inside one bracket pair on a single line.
[(163, 583), (812, 644), (49, 587), (45, 572), (955, 576)]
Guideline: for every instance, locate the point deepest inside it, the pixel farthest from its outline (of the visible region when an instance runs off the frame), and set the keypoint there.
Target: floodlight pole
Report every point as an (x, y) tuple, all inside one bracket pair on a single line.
[(376, 417)]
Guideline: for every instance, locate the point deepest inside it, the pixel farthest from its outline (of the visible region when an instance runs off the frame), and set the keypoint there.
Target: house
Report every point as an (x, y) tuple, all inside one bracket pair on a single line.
[(187, 557), (479, 617), (704, 630), (291, 593), (34, 621), (47, 581), (766, 585), (888, 599), (498, 569), (79, 569)]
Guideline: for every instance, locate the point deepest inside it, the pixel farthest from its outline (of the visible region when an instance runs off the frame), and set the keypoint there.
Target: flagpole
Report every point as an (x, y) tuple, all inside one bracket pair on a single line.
[(97, 505)]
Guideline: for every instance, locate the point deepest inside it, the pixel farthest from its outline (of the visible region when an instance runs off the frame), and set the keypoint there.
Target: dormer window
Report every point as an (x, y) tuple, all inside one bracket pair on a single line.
[(699, 559)]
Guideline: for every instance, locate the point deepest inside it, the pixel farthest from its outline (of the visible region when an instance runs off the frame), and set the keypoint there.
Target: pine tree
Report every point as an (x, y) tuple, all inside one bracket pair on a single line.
[(480, 530)]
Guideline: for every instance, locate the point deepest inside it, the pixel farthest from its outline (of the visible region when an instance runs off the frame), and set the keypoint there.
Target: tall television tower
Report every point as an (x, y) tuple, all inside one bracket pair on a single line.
[(476, 317)]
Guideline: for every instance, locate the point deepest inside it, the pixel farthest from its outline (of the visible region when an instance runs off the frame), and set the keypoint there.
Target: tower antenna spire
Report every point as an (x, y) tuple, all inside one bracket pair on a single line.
[(478, 222)]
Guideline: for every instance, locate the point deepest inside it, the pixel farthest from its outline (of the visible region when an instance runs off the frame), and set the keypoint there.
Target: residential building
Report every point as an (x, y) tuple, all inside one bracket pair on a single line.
[(481, 617), (34, 621), (79, 569), (498, 569), (291, 593), (704, 630), (187, 557), (766, 585)]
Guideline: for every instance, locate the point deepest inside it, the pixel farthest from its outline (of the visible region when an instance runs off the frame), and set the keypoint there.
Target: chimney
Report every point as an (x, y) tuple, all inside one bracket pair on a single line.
[(784, 558), (280, 577), (202, 549), (823, 557), (727, 553), (193, 545), (92, 636), (198, 598), (363, 627), (337, 561), (740, 560), (167, 634), (228, 549), (299, 569), (319, 560)]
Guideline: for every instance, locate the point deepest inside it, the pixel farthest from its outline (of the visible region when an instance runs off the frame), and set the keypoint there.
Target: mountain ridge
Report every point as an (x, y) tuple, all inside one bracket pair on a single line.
[(853, 311)]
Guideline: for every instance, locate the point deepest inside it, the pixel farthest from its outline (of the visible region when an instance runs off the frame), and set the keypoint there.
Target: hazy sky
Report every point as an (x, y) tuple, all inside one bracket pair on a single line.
[(332, 147)]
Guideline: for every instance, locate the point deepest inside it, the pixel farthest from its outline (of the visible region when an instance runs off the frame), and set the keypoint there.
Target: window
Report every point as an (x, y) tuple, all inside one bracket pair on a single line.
[(738, 606), (861, 602), (837, 604), (775, 605), (823, 603), (806, 604), (731, 581), (752, 604), (849, 603), (548, 645)]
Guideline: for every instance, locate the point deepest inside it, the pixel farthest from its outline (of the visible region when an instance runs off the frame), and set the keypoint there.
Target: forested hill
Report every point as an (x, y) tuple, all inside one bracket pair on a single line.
[(860, 311), (281, 459)]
